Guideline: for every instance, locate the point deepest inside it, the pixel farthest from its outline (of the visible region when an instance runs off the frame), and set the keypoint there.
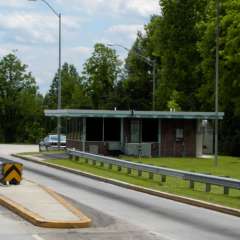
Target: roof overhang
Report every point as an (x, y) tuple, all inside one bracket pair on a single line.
[(72, 113)]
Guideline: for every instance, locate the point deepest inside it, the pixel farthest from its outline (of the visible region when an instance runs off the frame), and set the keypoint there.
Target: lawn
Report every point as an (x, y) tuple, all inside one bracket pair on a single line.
[(228, 166)]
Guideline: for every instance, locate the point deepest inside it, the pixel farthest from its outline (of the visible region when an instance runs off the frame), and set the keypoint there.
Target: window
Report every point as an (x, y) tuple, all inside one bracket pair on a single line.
[(179, 134)]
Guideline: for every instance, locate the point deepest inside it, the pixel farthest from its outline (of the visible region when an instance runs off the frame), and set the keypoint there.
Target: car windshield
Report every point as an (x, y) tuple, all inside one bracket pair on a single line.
[(55, 138)]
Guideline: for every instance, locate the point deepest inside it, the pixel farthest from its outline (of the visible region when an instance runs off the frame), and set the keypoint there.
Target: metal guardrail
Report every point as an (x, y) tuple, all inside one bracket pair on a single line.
[(189, 176)]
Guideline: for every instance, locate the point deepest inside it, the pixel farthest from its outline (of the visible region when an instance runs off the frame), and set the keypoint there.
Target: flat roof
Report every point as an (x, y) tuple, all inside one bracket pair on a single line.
[(132, 114)]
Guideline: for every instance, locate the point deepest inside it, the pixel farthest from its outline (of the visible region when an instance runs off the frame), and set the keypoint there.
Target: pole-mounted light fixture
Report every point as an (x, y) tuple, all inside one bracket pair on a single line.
[(151, 63), (59, 96)]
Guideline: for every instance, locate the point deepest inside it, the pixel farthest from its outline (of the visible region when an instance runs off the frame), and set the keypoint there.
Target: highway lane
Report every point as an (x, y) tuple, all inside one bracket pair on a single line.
[(164, 219)]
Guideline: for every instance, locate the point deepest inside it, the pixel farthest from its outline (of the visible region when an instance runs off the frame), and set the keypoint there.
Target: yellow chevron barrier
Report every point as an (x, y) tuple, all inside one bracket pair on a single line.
[(11, 173)]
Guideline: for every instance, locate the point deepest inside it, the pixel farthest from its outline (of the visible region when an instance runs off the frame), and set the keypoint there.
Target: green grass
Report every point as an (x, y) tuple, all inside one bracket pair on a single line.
[(228, 166)]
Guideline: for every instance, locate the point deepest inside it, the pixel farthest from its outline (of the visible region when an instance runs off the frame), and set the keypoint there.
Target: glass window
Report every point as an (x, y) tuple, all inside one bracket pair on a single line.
[(179, 134)]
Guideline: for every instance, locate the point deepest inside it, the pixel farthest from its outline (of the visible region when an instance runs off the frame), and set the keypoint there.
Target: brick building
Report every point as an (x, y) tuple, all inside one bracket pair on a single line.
[(145, 133)]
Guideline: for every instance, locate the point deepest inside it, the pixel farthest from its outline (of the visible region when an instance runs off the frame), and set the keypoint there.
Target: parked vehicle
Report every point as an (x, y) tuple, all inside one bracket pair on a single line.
[(51, 141)]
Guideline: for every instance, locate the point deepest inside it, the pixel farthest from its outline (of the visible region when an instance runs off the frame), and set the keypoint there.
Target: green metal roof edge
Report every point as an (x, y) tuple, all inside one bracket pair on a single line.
[(132, 114)]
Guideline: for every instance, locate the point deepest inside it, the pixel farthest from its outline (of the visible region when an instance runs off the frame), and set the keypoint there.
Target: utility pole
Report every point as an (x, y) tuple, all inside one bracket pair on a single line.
[(217, 81)]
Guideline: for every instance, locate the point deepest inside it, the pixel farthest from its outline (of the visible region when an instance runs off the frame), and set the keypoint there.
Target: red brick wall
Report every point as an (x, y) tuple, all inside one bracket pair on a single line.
[(74, 144), (102, 147), (171, 147)]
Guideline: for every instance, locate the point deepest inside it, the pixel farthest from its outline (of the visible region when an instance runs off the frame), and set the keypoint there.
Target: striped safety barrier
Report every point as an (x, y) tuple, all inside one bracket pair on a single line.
[(10, 172)]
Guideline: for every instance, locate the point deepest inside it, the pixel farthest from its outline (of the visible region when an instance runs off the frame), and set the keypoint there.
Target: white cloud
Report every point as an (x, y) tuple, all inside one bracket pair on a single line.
[(128, 31), (36, 27), (80, 50), (12, 3), (3, 52), (33, 30), (142, 7)]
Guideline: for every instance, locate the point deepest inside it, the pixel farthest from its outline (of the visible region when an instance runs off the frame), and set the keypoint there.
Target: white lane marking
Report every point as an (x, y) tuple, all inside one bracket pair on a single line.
[(37, 237)]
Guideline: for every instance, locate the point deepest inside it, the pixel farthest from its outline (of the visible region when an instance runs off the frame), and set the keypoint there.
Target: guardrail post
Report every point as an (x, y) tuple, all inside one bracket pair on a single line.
[(208, 187), (70, 156), (191, 184), (94, 163), (226, 190), (109, 166), (119, 168), (163, 178), (101, 164), (150, 176), (86, 160), (129, 171), (139, 173)]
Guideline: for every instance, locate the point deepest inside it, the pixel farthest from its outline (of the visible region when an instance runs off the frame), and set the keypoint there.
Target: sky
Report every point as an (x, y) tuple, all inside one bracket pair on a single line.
[(30, 30)]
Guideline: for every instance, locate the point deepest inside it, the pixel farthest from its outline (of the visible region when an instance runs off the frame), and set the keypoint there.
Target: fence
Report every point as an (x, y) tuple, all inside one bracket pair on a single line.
[(209, 180)]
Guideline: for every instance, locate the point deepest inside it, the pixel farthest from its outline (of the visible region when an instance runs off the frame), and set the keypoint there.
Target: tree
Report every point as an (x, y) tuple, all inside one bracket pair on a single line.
[(174, 38), (138, 82), (73, 90), (21, 111), (100, 74), (229, 70), (73, 94)]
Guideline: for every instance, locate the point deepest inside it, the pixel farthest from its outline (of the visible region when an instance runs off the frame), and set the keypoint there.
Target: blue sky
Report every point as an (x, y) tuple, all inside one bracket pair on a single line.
[(32, 29)]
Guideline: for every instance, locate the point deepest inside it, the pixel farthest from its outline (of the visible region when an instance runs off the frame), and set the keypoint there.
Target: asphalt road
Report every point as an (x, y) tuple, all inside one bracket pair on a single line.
[(135, 215)]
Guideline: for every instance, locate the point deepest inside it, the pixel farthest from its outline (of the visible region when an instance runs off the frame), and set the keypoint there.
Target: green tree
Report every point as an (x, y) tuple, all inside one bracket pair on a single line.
[(174, 37), (100, 74), (21, 112), (73, 95), (73, 90), (138, 82), (229, 70)]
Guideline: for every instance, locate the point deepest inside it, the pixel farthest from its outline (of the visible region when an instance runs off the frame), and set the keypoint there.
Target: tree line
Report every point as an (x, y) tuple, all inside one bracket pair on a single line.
[(182, 43)]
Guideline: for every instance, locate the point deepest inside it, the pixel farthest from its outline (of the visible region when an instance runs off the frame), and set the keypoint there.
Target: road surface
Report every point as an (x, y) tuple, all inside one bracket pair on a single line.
[(135, 215)]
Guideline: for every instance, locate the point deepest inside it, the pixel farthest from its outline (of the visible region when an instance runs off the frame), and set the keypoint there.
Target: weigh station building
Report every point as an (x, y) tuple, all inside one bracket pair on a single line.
[(139, 133)]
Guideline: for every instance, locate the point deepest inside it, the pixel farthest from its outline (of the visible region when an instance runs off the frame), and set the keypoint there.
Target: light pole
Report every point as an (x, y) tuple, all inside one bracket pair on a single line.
[(59, 97), (151, 63), (217, 81)]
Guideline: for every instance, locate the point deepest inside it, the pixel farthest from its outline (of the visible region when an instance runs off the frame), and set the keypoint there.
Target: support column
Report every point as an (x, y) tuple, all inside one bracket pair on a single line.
[(122, 134), (159, 137), (103, 130), (84, 135), (199, 138)]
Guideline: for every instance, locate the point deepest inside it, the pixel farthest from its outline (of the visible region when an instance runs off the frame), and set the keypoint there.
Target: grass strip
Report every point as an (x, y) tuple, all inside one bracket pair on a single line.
[(172, 185)]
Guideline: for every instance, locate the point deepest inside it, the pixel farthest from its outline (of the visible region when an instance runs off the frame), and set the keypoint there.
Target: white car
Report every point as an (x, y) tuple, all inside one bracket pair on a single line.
[(51, 141)]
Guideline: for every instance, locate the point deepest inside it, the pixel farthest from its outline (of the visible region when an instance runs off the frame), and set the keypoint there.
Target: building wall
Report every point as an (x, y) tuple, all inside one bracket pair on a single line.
[(170, 146)]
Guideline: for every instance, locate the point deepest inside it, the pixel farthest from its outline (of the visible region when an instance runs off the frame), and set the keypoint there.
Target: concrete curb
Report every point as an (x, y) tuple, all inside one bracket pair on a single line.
[(190, 201), (39, 221)]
